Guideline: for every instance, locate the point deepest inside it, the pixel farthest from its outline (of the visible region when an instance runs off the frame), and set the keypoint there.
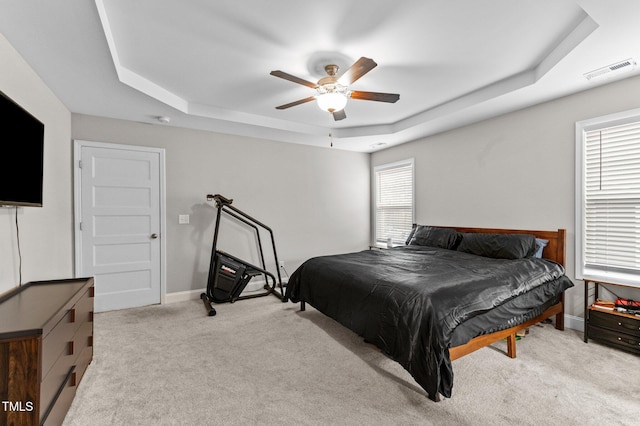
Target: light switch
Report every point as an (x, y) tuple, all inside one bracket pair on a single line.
[(183, 219)]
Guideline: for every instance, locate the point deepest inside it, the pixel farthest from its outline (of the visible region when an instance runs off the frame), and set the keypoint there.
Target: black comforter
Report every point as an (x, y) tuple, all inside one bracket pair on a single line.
[(409, 300)]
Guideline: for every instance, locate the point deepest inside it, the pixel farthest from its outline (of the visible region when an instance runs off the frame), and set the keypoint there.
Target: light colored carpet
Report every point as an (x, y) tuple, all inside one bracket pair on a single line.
[(260, 361)]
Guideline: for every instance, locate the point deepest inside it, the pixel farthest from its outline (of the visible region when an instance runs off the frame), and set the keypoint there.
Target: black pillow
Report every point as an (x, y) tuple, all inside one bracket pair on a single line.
[(435, 237), (410, 236), (498, 246)]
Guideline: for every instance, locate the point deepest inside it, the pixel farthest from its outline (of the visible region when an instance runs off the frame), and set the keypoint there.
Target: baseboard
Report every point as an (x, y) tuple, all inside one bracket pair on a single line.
[(573, 322), (183, 296)]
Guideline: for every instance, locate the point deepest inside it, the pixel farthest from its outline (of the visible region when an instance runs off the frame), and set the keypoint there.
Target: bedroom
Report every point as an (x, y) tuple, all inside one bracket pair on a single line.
[(326, 208)]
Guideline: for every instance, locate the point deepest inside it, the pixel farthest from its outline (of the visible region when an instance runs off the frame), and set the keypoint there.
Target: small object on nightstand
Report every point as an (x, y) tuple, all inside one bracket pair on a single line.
[(607, 305)]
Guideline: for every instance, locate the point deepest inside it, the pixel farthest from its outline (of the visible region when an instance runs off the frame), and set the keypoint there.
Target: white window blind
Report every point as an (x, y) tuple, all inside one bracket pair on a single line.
[(393, 201), (610, 205)]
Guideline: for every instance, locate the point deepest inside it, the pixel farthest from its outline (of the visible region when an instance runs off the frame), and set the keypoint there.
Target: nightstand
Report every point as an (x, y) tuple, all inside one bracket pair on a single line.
[(612, 328)]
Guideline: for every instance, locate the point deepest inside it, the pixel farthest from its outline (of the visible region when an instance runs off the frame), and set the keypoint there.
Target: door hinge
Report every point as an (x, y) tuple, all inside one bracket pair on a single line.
[(80, 226), (79, 164)]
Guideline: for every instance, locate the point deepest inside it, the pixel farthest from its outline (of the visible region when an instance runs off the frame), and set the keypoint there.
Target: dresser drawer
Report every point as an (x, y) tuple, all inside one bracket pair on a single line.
[(84, 308), (83, 341), (55, 377), (619, 323), (54, 414), (57, 342)]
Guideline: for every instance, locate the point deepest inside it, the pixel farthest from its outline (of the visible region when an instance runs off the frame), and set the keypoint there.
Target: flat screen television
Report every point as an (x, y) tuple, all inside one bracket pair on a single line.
[(21, 164)]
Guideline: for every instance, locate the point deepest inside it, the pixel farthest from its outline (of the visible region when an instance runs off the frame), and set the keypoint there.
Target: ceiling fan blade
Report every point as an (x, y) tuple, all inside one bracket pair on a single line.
[(293, 78), (357, 70), (375, 96), (339, 115), (298, 102)]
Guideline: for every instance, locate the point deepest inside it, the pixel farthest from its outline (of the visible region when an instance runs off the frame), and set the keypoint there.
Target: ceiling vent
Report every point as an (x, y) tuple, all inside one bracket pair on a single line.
[(627, 64)]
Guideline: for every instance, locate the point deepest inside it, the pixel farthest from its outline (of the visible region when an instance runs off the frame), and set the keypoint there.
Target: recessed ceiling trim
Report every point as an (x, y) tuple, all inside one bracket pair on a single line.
[(416, 123), (209, 111), (560, 50), (502, 87), (106, 27), (129, 77), (148, 87), (566, 45)]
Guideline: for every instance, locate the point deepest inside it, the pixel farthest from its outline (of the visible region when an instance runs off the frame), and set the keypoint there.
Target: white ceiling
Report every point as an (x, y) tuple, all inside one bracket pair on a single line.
[(205, 64)]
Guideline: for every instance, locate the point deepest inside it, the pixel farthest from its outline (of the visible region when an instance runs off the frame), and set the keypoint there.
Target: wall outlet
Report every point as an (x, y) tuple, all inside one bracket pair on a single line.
[(183, 219)]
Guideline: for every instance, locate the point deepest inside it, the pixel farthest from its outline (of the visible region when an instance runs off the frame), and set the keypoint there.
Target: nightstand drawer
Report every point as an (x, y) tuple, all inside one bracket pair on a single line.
[(620, 340), (615, 322)]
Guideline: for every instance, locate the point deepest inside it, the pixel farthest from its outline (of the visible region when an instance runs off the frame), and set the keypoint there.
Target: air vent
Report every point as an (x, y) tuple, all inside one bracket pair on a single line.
[(626, 64)]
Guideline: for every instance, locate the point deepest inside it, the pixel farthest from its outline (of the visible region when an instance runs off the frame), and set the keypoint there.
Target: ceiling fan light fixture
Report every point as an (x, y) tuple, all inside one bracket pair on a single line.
[(331, 101), (332, 92)]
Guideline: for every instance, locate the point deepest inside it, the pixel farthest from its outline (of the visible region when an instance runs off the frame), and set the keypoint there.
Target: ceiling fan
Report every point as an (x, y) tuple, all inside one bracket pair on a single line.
[(333, 91)]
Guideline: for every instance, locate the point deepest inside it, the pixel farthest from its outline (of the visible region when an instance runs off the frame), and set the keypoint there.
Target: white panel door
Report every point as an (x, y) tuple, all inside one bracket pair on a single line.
[(120, 224)]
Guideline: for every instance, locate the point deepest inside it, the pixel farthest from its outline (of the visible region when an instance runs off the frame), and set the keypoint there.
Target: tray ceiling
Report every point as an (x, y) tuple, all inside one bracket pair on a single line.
[(206, 65)]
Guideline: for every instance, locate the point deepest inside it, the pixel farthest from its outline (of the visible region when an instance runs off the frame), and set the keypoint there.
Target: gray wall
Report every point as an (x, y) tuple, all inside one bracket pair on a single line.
[(46, 234), (514, 171), (316, 200)]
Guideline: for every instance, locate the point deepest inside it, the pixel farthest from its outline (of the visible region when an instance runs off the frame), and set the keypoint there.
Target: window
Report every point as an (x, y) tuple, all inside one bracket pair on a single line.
[(608, 199), (393, 184)]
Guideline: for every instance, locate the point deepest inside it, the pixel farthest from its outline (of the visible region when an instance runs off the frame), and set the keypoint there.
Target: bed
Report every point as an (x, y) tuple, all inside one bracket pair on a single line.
[(446, 293)]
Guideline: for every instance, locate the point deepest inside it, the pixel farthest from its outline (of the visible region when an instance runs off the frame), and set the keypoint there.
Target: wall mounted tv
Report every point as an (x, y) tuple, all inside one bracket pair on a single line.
[(21, 165)]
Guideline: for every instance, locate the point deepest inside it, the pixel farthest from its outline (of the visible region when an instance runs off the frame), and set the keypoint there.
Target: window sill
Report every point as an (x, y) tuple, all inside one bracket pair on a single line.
[(609, 277)]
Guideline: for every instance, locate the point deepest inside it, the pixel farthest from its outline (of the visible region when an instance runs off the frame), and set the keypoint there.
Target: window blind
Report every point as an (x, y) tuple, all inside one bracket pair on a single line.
[(393, 202), (611, 212)]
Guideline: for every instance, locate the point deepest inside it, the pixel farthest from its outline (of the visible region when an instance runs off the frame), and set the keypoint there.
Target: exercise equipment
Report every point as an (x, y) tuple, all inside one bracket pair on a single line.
[(228, 274)]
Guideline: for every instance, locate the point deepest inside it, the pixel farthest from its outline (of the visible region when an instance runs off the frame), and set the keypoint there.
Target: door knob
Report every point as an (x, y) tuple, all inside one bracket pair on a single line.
[(154, 236)]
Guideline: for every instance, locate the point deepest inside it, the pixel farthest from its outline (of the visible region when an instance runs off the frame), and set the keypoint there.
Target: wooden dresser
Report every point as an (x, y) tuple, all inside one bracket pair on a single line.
[(46, 344)]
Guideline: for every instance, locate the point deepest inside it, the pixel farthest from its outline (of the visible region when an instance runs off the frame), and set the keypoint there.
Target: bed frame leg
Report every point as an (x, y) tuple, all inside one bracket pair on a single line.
[(560, 321), (511, 345), (560, 316), (303, 306)]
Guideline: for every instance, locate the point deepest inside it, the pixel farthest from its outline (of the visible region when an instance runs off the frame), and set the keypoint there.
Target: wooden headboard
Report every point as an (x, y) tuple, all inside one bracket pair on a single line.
[(555, 249)]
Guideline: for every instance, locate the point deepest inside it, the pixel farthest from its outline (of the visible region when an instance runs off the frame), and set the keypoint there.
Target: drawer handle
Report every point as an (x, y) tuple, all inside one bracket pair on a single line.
[(70, 348), (72, 315)]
